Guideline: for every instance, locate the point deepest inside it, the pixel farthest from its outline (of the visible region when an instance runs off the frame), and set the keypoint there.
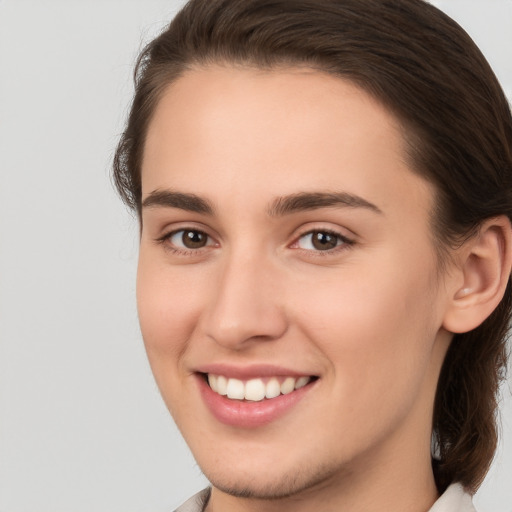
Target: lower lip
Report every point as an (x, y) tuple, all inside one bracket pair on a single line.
[(247, 414)]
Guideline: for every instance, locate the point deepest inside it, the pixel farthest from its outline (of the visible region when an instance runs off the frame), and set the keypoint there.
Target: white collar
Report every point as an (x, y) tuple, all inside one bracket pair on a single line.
[(454, 499)]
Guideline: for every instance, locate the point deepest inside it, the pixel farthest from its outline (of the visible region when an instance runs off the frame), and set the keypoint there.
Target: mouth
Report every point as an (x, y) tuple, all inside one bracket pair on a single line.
[(256, 389), (256, 395)]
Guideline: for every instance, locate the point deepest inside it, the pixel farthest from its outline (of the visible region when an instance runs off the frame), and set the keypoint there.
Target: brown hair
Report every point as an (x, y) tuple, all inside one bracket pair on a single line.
[(456, 120)]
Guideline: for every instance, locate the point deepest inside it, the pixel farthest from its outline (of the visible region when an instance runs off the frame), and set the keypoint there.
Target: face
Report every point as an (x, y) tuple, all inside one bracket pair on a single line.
[(286, 257)]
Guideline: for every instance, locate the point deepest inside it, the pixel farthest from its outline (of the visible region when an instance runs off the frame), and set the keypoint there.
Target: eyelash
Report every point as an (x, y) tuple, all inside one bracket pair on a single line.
[(343, 242), (166, 240)]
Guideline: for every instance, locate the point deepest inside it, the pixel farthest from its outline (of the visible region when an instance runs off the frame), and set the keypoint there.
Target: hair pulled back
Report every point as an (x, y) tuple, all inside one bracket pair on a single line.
[(456, 121)]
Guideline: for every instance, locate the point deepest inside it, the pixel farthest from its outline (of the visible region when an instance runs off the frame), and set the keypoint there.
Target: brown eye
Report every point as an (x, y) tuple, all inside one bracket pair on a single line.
[(189, 239), (324, 241), (321, 241)]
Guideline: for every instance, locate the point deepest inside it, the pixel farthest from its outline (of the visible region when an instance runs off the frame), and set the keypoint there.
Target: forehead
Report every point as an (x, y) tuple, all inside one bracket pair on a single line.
[(249, 103), (222, 130)]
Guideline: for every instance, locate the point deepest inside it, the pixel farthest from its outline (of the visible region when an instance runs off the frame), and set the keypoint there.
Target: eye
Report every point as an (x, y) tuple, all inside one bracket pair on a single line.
[(319, 240), (189, 239)]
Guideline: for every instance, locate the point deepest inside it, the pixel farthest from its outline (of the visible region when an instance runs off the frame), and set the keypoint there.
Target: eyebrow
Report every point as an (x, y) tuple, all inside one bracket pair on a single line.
[(183, 201), (281, 206), (304, 201)]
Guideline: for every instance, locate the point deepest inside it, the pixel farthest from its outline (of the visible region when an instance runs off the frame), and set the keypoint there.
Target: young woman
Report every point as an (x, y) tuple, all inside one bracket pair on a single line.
[(324, 194)]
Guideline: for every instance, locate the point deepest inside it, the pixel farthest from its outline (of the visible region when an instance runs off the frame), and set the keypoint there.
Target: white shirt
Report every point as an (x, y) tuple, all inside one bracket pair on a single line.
[(454, 499)]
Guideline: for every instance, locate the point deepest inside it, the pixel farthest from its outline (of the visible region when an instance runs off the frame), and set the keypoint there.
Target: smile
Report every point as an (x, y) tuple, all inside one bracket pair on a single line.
[(256, 390), (253, 396)]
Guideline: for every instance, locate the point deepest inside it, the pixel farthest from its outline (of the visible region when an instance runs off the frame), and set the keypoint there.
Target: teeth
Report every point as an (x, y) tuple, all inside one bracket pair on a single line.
[(273, 388), (288, 385), (255, 390), (236, 389), (222, 385), (301, 382), (212, 380)]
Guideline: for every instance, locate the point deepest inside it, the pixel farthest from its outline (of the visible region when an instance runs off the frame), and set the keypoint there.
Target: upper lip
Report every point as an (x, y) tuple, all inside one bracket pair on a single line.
[(252, 371)]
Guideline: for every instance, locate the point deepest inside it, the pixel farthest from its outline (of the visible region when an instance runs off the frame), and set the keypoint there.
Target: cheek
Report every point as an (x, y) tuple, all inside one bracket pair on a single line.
[(167, 306), (375, 329), (168, 309)]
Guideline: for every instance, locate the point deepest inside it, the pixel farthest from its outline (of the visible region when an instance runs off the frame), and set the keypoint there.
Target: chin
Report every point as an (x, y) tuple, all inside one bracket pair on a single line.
[(277, 485)]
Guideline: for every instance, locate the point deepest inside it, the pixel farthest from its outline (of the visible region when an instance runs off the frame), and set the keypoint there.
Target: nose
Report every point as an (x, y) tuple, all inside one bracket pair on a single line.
[(245, 305)]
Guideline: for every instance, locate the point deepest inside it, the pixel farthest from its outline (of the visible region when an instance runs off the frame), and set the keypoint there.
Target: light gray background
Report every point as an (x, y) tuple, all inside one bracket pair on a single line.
[(82, 427)]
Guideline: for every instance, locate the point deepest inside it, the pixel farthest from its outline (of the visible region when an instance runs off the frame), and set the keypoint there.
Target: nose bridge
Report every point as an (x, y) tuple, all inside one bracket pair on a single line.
[(245, 305)]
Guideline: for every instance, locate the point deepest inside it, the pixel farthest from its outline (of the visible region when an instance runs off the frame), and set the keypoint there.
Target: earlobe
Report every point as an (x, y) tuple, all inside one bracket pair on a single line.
[(484, 268)]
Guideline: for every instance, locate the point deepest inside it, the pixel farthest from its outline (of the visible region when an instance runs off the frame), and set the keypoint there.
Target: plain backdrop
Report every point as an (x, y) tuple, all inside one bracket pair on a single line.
[(82, 426)]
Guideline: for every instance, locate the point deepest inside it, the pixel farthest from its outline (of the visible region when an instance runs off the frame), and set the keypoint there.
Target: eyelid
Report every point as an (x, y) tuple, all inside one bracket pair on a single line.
[(183, 231), (165, 240), (346, 241), (169, 228)]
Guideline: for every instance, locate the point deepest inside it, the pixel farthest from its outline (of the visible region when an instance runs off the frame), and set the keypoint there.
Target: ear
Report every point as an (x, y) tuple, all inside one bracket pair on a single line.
[(481, 276)]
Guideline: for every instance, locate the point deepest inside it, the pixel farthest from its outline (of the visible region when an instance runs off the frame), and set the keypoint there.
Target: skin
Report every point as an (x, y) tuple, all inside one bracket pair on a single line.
[(366, 317)]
